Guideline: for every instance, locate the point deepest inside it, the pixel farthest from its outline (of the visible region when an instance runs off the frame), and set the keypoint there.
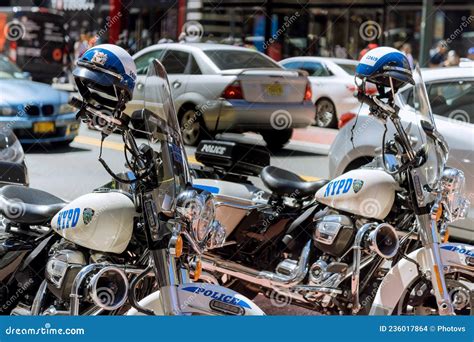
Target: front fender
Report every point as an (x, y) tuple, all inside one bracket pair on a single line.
[(405, 272), (203, 298)]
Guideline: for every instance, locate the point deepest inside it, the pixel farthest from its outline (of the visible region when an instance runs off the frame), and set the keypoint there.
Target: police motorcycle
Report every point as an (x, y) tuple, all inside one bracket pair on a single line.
[(329, 245), (94, 269)]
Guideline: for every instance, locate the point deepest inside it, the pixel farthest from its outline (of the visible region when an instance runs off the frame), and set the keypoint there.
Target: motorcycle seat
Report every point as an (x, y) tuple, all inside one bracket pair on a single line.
[(285, 183), (25, 205)]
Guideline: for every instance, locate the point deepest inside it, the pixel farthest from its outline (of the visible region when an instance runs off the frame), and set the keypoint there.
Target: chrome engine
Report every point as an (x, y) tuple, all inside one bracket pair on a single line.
[(74, 280), (343, 246)]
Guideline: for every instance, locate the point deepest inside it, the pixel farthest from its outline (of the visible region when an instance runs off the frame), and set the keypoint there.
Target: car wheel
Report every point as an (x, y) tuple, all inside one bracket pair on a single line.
[(276, 139), (325, 114), (192, 128)]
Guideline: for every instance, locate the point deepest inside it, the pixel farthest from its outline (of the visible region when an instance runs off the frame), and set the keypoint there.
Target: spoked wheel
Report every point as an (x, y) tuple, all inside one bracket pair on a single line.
[(192, 128), (418, 299), (325, 114)]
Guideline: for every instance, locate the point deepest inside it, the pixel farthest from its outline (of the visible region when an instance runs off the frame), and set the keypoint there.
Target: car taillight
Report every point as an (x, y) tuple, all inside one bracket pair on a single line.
[(371, 90), (345, 118), (233, 91), (308, 93), (351, 87)]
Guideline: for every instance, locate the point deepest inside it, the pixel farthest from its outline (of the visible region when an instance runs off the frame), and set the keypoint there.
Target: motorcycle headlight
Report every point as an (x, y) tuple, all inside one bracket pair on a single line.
[(12, 153), (198, 210), (66, 108), (218, 235), (7, 111), (452, 187)]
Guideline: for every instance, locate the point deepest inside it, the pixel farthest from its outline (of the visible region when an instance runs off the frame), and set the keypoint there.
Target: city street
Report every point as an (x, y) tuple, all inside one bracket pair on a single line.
[(74, 171)]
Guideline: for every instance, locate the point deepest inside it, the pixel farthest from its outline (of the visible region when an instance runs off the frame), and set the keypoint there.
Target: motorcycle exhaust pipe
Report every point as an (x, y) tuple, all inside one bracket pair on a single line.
[(382, 239), (98, 274), (108, 288), (266, 279)]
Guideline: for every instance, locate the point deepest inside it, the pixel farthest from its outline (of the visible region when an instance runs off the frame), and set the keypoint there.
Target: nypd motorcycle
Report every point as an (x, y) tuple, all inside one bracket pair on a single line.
[(133, 247), (373, 240)]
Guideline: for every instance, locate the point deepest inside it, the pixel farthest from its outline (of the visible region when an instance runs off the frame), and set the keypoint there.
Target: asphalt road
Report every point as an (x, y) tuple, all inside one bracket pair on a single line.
[(74, 171)]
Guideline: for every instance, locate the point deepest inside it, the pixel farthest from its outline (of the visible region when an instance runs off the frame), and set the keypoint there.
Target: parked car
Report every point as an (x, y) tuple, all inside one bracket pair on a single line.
[(451, 92), (35, 112), (219, 88), (332, 85)]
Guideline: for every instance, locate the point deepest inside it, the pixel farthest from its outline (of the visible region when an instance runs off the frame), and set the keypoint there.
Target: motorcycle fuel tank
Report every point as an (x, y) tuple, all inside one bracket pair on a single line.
[(101, 221), (365, 192)]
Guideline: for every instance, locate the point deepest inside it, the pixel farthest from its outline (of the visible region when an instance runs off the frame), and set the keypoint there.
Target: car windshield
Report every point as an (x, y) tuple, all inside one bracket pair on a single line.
[(9, 70), (239, 59), (349, 68)]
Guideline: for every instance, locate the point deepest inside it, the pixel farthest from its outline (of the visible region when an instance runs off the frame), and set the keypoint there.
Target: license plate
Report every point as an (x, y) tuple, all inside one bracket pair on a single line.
[(275, 89), (44, 127)]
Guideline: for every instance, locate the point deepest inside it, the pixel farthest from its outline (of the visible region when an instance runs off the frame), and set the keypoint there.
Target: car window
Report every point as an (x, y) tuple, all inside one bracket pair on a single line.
[(239, 59), (143, 61), (293, 65), (9, 70), (194, 67), (175, 62), (349, 68), (453, 99), (316, 69)]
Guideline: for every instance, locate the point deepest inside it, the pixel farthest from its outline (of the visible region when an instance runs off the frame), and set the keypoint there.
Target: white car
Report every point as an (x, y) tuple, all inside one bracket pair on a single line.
[(332, 83), (451, 93)]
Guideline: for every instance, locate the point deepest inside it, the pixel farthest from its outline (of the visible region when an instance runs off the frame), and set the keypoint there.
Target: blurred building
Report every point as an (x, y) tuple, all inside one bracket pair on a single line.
[(328, 28), (132, 23)]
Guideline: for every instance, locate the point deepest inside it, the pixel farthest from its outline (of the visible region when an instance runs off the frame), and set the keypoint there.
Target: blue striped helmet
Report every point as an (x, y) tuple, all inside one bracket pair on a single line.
[(382, 63), (106, 73)]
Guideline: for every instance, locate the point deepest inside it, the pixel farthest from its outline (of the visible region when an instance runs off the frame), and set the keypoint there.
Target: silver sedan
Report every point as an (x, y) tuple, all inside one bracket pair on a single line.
[(219, 88)]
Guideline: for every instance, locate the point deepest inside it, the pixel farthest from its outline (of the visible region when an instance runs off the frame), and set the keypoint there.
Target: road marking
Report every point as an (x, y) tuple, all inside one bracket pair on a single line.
[(111, 145), (117, 146)]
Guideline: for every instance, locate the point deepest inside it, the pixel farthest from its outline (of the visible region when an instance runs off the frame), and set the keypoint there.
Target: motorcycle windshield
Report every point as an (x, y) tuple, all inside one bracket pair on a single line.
[(430, 138), (164, 136)]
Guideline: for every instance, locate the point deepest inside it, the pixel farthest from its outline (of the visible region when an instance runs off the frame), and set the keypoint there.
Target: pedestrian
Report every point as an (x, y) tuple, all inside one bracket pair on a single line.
[(470, 53), (81, 46), (452, 59), (438, 55), (406, 50), (369, 47)]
